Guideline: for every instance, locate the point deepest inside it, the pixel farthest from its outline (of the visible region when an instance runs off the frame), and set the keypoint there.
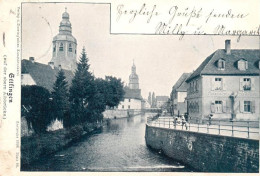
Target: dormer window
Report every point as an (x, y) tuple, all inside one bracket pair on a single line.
[(70, 48), (242, 64), (221, 64), (61, 47)]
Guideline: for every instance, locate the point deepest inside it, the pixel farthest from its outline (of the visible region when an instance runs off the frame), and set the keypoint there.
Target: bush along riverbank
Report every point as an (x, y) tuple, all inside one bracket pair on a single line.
[(40, 145)]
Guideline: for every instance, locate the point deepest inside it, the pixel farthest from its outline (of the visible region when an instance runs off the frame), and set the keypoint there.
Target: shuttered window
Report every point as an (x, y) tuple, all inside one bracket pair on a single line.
[(247, 106), (221, 64), (218, 106), (218, 83)]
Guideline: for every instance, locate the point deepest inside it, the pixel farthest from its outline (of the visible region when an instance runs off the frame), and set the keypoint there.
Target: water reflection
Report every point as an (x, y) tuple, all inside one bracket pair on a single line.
[(119, 146)]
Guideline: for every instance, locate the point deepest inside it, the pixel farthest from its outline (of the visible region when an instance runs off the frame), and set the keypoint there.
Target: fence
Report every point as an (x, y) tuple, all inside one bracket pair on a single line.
[(244, 129)]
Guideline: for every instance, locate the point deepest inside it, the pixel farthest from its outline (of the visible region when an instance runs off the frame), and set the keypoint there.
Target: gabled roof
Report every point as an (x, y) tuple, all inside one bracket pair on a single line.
[(181, 85), (132, 93), (162, 98), (43, 74), (208, 66)]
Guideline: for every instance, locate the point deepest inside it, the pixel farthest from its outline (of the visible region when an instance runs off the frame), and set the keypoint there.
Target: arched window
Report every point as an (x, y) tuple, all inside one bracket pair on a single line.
[(221, 64), (70, 47), (61, 47)]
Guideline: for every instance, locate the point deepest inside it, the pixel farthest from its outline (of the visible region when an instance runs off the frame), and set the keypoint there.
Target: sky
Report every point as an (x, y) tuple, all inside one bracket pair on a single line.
[(160, 60)]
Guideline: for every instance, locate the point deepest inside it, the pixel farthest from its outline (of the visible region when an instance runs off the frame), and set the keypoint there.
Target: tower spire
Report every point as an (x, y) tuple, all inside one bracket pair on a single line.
[(65, 45), (133, 78)]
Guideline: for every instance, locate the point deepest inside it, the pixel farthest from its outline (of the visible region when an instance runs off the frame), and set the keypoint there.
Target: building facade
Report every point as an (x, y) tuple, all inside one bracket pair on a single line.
[(226, 85), (179, 95), (64, 51), (161, 101)]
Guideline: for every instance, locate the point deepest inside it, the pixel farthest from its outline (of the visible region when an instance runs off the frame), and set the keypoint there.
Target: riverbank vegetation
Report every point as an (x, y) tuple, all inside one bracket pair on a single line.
[(79, 106), (83, 102)]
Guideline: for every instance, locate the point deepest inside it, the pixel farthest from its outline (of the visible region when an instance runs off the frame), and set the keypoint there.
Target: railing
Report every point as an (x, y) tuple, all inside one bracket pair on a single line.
[(244, 129)]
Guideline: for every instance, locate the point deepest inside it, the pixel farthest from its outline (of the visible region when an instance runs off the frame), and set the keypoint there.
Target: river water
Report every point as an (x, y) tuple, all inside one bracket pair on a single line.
[(119, 146)]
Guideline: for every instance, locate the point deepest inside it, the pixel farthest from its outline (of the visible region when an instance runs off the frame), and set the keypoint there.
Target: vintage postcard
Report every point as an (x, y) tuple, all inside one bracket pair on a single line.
[(129, 87)]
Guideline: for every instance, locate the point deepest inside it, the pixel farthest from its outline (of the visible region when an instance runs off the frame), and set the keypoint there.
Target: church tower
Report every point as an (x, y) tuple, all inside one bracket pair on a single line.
[(64, 51), (133, 79)]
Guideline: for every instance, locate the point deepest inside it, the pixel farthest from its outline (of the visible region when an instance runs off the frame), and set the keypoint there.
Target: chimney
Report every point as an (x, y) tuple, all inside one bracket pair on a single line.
[(31, 59), (227, 47), (59, 67), (51, 64)]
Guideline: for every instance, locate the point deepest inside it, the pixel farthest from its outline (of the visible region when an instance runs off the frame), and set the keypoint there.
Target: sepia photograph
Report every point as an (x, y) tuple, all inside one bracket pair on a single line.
[(96, 101)]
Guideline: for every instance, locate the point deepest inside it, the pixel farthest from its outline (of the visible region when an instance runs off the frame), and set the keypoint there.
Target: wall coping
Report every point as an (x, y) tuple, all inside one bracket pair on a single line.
[(206, 134)]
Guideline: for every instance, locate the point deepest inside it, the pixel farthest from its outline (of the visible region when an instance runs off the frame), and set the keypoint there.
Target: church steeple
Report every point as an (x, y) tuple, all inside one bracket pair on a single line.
[(133, 68), (133, 78), (65, 25), (65, 45)]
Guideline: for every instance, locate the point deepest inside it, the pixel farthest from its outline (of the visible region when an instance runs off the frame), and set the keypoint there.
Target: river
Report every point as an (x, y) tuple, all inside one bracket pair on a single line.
[(119, 146)]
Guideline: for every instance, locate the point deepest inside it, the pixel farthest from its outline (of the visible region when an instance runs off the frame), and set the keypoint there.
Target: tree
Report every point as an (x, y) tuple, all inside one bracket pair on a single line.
[(82, 91), (60, 97), (36, 101), (115, 92), (112, 90)]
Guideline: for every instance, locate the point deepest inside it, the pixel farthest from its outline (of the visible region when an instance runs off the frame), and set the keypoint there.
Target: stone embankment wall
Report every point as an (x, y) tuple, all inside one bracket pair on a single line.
[(205, 152)]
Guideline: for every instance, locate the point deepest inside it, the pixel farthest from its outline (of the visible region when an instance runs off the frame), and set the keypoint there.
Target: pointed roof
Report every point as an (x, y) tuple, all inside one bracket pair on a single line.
[(181, 85), (209, 67), (65, 29), (43, 74)]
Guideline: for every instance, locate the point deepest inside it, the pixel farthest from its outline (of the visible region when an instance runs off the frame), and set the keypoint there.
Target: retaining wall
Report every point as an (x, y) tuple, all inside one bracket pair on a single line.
[(206, 152)]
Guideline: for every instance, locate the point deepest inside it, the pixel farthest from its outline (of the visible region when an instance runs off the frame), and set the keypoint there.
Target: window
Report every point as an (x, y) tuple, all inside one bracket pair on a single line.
[(190, 88), (247, 106), (70, 48), (218, 106), (54, 48), (61, 47), (123, 107), (129, 100), (128, 106), (75, 51), (246, 84), (218, 83), (197, 85), (242, 64), (221, 64)]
